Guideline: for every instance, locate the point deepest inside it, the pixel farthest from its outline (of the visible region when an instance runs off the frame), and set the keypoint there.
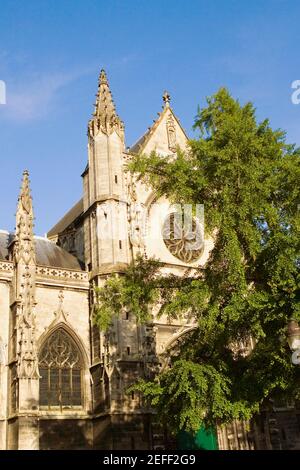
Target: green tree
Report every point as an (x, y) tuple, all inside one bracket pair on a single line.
[(247, 177)]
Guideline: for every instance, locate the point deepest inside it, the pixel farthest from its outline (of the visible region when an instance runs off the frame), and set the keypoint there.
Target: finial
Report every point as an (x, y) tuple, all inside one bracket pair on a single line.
[(103, 77), (25, 199), (166, 98), (61, 297)]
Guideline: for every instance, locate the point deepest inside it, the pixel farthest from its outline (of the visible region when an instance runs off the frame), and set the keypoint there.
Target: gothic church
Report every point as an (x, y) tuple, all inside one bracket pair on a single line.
[(63, 382)]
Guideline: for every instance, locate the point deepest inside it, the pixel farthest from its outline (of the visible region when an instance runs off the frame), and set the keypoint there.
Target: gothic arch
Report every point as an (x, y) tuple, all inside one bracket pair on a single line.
[(69, 330), (176, 337), (62, 367), (151, 199), (165, 355)]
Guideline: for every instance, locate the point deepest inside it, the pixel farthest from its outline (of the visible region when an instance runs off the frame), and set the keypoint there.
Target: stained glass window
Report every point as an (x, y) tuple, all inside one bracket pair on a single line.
[(60, 366)]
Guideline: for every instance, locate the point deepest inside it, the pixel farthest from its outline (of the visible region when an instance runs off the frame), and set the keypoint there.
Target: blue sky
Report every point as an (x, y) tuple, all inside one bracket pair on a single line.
[(51, 53)]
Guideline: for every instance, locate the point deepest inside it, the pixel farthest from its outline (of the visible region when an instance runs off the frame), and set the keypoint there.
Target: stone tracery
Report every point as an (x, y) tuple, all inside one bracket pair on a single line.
[(60, 366), (183, 240)]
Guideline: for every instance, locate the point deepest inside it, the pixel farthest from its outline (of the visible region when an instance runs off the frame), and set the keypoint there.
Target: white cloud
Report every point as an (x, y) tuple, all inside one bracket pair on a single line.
[(32, 96), (35, 96)]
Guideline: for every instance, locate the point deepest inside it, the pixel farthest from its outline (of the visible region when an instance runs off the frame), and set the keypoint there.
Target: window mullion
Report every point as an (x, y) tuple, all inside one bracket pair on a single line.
[(60, 389), (71, 386), (49, 386)]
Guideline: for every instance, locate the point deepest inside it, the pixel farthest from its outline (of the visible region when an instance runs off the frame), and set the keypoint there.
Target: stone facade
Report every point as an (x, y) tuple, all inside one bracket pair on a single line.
[(63, 383)]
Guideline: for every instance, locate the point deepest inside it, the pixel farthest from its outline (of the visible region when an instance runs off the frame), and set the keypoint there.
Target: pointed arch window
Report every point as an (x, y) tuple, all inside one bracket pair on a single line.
[(61, 368)]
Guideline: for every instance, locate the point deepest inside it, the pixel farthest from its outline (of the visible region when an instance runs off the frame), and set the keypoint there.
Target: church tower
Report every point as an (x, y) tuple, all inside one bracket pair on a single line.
[(104, 199)]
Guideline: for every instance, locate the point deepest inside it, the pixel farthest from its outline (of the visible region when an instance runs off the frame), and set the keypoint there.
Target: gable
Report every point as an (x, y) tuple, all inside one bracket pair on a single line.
[(163, 137)]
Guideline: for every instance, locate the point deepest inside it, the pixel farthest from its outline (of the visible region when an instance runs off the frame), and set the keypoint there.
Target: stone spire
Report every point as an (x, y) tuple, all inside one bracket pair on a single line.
[(25, 274), (104, 184), (105, 117), (24, 242)]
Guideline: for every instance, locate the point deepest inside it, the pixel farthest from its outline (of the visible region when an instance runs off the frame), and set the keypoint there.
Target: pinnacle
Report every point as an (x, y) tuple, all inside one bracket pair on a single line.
[(24, 223), (103, 78), (104, 101), (105, 115), (25, 200)]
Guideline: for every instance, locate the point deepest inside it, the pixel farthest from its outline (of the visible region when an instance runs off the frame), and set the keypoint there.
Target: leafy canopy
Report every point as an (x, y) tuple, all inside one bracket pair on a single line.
[(247, 177)]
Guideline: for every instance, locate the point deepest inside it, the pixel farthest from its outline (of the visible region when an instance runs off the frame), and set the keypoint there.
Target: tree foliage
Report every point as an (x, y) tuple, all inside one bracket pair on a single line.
[(135, 291), (247, 177)]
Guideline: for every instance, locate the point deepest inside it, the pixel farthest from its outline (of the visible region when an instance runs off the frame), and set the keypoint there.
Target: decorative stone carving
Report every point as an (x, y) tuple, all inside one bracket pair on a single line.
[(59, 349), (171, 131), (6, 266), (60, 314), (25, 266), (105, 118), (65, 274), (109, 355), (136, 218)]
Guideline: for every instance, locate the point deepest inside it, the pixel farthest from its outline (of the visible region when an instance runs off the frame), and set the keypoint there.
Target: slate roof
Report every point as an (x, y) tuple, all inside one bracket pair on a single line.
[(47, 253), (135, 149), (5, 239), (67, 219)]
